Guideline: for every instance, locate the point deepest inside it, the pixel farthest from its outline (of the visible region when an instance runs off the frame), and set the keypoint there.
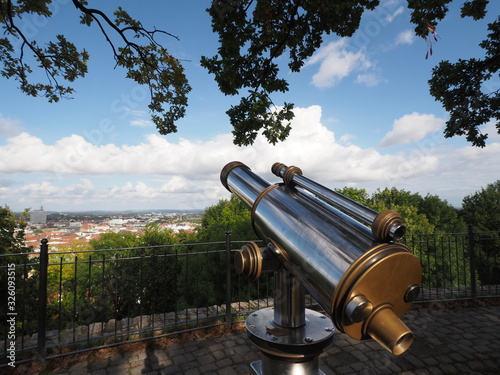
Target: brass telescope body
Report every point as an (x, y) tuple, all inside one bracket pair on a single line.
[(343, 253)]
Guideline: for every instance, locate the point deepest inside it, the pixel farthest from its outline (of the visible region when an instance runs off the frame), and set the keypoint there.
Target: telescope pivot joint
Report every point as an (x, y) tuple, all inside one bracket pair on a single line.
[(252, 260)]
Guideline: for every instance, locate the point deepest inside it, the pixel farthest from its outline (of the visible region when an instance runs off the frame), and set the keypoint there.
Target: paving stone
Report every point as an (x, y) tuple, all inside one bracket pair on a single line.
[(435, 371), (228, 371), (207, 368), (463, 341), (193, 371), (224, 363), (171, 370), (216, 347), (179, 359), (448, 369), (219, 355), (205, 359)]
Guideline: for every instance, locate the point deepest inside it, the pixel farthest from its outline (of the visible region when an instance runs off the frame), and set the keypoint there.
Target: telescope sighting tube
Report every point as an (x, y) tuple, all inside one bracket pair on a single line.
[(365, 284), (386, 226)]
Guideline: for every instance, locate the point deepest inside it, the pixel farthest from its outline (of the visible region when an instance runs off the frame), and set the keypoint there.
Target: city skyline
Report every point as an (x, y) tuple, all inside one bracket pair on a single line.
[(364, 118)]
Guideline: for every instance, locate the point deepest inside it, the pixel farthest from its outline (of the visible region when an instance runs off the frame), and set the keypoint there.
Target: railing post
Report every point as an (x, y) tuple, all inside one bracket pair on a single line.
[(228, 279), (42, 296), (472, 262)]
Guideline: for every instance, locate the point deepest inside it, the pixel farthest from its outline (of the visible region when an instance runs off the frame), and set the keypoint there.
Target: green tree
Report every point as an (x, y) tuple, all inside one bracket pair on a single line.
[(359, 195), (441, 214), (233, 215), (481, 211), (253, 35), (438, 213), (12, 231), (15, 262), (425, 218), (463, 87), (134, 48), (139, 276)]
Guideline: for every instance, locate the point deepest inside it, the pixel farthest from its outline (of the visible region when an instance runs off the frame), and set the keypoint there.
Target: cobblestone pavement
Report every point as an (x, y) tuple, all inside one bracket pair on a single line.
[(447, 341)]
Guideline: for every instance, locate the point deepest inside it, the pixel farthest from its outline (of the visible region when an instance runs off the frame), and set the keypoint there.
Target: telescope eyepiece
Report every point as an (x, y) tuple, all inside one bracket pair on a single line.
[(385, 327), (388, 226)]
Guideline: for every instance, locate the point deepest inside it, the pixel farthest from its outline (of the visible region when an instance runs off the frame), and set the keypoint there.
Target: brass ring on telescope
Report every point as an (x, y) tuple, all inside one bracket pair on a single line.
[(277, 167), (227, 169), (384, 222), (256, 203), (373, 275), (248, 261), (339, 298), (290, 172)]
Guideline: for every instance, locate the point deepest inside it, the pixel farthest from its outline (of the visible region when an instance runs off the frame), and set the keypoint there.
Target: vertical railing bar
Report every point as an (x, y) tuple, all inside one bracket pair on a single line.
[(178, 282), (472, 260), (187, 275), (165, 258), (153, 304), (466, 264), (42, 297), (103, 286), (90, 296), (206, 308), (117, 283), (23, 322), (429, 271), (74, 299), (60, 298), (228, 279), (450, 261), (141, 268)]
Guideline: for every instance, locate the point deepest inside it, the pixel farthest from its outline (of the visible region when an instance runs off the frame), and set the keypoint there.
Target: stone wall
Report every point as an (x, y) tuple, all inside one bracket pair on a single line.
[(128, 329)]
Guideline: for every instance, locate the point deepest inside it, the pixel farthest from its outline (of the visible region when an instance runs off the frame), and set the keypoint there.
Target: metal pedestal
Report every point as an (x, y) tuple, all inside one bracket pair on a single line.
[(290, 337), (290, 351)]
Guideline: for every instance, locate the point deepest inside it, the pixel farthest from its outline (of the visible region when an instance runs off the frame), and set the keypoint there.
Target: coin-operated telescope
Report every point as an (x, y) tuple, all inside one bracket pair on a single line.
[(346, 256)]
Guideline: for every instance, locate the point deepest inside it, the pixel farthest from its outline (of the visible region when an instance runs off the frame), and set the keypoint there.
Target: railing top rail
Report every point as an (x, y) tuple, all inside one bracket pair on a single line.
[(130, 248)]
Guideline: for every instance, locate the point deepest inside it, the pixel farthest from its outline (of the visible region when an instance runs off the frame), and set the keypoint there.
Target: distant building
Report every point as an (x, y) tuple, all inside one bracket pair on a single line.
[(38, 216)]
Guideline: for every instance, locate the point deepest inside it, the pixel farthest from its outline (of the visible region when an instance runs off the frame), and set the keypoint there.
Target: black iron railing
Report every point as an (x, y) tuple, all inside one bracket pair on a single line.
[(69, 301)]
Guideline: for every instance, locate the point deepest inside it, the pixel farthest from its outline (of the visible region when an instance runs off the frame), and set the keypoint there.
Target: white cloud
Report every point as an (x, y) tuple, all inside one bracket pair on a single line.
[(369, 79), (8, 127), (391, 17), (405, 37), (411, 128), (74, 174), (143, 123), (336, 63)]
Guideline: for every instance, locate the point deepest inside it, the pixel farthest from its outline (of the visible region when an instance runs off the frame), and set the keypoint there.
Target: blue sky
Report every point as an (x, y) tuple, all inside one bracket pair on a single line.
[(364, 118)]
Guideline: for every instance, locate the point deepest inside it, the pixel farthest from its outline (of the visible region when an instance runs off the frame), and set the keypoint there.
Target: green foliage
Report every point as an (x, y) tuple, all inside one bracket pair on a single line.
[(462, 88), (253, 35), (115, 241), (12, 231), (233, 215), (430, 214), (146, 61), (160, 271), (481, 211), (359, 195)]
